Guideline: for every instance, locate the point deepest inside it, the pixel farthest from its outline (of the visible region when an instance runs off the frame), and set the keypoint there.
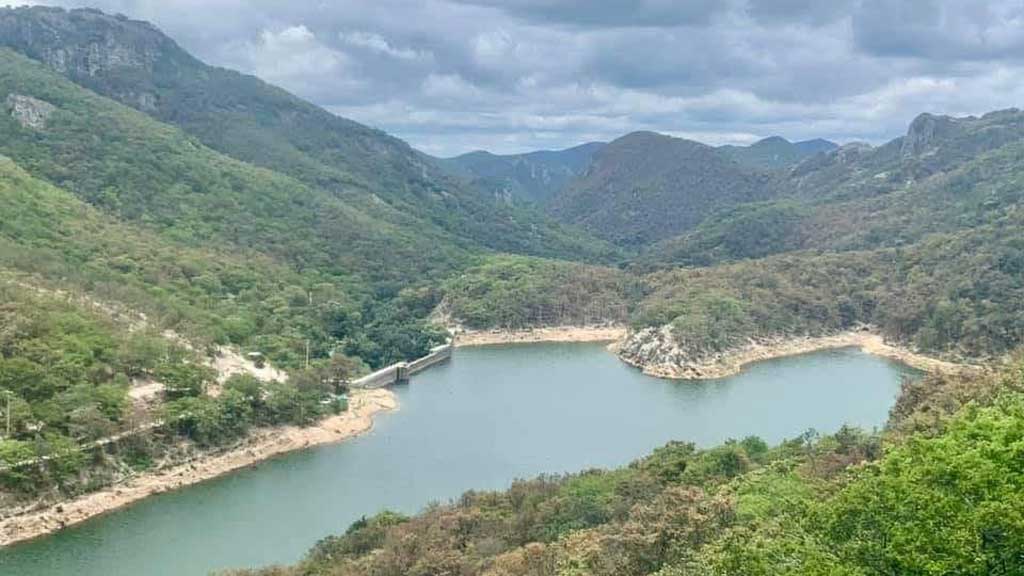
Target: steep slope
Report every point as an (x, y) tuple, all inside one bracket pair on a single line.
[(535, 177), (645, 187), (140, 170), (105, 326), (247, 119), (155, 178), (945, 175), (919, 238), (777, 152)]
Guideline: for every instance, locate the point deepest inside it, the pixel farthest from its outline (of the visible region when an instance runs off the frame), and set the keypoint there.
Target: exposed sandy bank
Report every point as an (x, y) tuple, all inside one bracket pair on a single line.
[(733, 361), (261, 445), (551, 334)]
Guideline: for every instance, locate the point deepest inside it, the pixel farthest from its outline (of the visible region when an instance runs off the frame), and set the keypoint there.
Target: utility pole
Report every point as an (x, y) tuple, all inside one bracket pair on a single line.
[(8, 413)]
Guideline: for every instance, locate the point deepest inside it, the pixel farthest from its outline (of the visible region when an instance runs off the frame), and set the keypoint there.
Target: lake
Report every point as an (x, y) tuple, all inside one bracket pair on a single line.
[(489, 416)]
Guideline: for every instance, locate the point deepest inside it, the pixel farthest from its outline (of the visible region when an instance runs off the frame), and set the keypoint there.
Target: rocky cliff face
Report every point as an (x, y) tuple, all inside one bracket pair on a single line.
[(80, 42), (91, 48), (925, 132), (28, 111)]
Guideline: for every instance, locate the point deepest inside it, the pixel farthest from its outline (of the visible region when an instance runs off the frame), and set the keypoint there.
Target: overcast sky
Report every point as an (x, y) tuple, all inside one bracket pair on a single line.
[(451, 76)]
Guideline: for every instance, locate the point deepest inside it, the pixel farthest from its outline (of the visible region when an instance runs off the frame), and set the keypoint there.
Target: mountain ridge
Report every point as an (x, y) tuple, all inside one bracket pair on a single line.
[(243, 117)]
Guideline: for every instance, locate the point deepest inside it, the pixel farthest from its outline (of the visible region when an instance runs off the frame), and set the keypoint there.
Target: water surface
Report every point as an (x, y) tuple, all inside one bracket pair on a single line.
[(491, 415)]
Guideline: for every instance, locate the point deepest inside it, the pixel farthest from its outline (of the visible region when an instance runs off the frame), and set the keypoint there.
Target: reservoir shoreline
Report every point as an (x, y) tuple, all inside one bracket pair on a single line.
[(734, 361), (727, 363), (537, 335), (364, 404), (262, 444)]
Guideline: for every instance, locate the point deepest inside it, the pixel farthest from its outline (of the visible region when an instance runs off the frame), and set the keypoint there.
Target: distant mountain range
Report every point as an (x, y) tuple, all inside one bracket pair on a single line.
[(640, 188), (532, 177), (777, 152)]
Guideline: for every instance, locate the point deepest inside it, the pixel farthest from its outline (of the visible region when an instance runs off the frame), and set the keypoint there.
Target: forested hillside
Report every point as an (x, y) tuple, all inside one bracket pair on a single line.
[(159, 212), (133, 251), (537, 177), (242, 117), (646, 187), (776, 152), (918, 239)]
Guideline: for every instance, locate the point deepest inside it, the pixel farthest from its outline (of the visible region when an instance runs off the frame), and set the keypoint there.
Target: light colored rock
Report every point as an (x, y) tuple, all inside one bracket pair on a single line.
[(28, 111), (657, 353)]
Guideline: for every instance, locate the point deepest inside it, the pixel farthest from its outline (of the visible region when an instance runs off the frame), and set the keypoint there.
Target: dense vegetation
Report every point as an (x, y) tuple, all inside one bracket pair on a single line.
[(396, 188), (958, 293), (776, 152), (158, 209), (515, 292), (66, 368), (536, 177), (646, 187), (934, 494)]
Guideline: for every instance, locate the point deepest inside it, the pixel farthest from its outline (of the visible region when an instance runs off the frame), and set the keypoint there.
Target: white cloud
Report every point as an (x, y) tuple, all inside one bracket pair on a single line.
[(380, 45)]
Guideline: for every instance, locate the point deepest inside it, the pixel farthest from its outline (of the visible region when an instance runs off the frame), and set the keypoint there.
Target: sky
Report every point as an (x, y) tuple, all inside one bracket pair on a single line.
[(451, 76)]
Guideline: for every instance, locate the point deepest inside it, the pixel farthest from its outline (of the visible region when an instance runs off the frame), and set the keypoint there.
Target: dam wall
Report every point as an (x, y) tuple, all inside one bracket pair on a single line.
[(401, 371)]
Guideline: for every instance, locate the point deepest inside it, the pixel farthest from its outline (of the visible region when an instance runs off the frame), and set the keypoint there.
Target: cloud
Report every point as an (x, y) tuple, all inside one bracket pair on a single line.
[(378, 44), (942, 31), (513, 75), (611, 13)]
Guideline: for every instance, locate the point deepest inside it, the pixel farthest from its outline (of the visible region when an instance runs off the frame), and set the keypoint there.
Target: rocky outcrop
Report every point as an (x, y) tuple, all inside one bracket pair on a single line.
[(925, 132), (89, 47), (80, 43), (28, 111), (657, 353)]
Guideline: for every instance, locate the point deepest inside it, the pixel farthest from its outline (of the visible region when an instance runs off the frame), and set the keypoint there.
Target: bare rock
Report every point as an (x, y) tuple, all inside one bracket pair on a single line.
[(28, 111)]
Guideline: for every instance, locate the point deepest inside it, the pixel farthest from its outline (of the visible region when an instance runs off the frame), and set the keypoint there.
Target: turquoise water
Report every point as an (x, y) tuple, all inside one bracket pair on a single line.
[(491, 415)]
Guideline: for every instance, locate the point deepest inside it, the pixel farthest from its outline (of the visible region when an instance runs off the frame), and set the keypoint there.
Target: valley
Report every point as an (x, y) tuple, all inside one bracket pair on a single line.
[(596, 412), (671, 357)]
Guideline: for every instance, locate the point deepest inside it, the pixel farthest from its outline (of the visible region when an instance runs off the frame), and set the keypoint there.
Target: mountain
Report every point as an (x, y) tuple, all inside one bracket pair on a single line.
[(241, 116), (859, 197), (918, 238), (645, 187), (535, 177), (161, 214), (777, 152)]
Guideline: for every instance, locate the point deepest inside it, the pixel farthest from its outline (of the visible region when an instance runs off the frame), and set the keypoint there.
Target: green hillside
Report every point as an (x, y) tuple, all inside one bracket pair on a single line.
[(247, 119), (158, 211), (537, 177), (919, 238), (776, 152), (646, 187)]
